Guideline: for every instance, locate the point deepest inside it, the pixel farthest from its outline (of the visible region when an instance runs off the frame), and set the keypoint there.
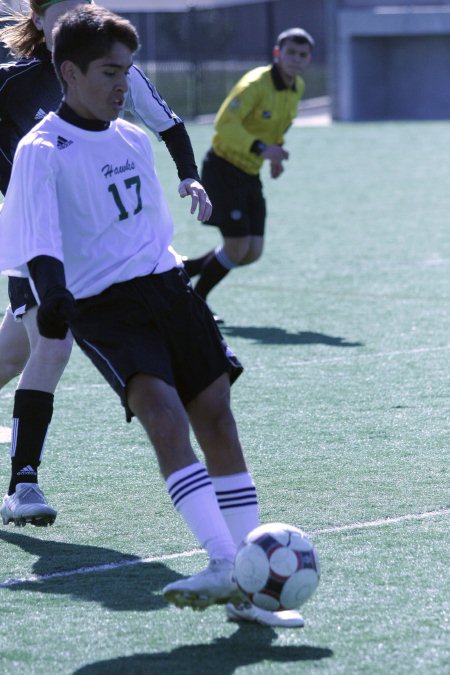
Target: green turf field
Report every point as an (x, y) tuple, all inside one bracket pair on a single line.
[(344, 329)]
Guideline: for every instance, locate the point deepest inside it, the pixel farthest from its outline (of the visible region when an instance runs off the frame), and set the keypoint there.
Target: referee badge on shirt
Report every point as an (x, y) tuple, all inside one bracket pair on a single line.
[(234, 104), (266, 114)]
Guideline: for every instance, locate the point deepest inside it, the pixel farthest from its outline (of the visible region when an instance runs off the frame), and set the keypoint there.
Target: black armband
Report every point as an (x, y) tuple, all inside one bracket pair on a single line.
[(179, 145), (258, 147), (47, 274)]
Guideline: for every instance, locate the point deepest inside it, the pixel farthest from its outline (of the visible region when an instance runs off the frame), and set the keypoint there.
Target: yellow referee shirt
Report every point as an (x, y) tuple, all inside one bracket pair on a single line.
[(258, 107)]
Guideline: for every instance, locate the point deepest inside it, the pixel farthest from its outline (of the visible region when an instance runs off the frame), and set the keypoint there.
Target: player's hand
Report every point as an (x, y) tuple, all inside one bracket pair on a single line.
[(276, 169), (276, 153), (55, 312), (200, 200)]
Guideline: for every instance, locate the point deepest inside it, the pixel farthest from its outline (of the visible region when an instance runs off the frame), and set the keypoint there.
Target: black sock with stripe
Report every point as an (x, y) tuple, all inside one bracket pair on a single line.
[(32, 415)]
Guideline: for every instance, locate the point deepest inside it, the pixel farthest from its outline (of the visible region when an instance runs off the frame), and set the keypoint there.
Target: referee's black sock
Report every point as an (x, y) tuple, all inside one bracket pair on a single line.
[(213, 272), (194, 266), (31, 417)]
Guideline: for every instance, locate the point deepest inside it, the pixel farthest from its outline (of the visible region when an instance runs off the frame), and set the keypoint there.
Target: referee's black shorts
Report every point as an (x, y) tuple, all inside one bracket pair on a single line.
[(154, 325), (239, 207)]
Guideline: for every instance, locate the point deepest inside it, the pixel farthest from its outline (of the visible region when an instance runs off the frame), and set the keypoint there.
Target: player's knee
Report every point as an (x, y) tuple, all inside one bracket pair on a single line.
[(52, 353), (254, 252), (10, 367), (251, 257), (237, 252)]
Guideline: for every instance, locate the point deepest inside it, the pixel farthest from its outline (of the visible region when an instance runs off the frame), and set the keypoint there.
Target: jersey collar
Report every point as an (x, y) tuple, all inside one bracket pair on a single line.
[(69, 115), (278, 80)]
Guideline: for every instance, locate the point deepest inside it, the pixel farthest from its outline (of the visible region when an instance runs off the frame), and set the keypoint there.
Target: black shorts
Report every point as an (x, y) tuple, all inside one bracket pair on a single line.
[(155, 325), (239, 207), (20, 296)]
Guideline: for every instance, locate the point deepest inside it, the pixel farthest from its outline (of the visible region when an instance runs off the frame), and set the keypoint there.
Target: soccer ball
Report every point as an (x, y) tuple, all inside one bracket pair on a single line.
[(277, 567)]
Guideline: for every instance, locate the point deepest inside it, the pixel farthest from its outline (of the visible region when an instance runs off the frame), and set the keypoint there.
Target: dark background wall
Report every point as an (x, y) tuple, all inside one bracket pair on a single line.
[(389, 59)]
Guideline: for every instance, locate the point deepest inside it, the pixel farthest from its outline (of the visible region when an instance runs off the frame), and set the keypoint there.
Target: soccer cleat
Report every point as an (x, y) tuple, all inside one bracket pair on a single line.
[(245, 611), (213, 586), (27, 505)]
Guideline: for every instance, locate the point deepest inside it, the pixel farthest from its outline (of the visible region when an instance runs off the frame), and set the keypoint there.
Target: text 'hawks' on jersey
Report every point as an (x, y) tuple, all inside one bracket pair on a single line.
[(112, 222)]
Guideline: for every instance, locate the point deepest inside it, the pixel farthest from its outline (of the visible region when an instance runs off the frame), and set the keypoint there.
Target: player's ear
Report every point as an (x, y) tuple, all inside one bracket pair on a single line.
[(276, 52), (68, 71), (37, 20)]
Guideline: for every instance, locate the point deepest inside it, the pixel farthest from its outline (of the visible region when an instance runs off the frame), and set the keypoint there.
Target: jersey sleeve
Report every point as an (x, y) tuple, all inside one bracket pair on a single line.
[(229, 122), (146, 104), (29, 220)]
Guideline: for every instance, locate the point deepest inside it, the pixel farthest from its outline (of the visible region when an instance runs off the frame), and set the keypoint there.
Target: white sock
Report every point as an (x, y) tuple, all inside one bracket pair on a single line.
[(237, 499), (194, 498), (224, 260)]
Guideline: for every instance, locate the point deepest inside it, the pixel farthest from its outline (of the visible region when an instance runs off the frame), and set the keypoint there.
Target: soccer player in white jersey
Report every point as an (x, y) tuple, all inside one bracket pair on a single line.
[(86, 219), (29, 88)]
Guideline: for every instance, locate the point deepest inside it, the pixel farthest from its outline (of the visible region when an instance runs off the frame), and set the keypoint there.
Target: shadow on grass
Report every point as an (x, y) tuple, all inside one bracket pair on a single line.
[(266, 335), (249, 645), (117, 581)]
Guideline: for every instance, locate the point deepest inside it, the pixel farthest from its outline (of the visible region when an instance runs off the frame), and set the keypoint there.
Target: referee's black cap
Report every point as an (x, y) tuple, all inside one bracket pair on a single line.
[(296, 34)]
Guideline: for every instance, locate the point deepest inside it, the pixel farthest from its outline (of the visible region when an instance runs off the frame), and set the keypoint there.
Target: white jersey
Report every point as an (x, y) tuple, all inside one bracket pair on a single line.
[(92, 200)]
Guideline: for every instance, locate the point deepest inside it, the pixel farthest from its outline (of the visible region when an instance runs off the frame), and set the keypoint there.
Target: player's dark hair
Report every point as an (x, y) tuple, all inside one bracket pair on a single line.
[(298, 35), (88, 33)]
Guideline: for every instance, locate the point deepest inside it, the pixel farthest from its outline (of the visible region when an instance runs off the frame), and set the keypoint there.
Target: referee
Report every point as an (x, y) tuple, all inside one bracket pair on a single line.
[(249, 128)]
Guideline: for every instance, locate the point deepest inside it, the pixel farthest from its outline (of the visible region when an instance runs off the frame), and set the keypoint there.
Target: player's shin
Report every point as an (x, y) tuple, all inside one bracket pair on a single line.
[(31, 417)]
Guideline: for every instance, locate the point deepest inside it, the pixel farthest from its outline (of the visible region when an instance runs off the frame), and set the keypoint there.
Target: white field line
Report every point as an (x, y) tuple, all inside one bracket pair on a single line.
[(5, 435), (98, 568), (374, 355), (381, 522)]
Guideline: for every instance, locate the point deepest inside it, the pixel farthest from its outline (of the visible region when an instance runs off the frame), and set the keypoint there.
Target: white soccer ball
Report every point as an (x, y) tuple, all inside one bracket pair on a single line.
[(277, 567)]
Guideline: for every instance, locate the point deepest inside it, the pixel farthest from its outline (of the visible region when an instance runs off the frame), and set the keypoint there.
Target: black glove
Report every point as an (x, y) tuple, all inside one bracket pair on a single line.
[(55, 312)]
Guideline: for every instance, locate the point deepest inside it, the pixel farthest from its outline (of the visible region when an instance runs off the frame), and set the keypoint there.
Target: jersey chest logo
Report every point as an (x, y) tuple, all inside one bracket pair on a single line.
[(63, 143)]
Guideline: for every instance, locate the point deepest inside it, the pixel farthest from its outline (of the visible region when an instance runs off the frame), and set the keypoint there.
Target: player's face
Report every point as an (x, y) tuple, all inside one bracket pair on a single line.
[(46, 21), (292, 59), (99, 93)]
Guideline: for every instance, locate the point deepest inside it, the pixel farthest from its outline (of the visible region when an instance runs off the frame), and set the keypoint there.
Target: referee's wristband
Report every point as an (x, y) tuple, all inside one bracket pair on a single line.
[(258, 147)]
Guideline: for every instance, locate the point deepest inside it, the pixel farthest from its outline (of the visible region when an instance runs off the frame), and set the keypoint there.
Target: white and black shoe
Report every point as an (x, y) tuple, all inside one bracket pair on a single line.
[(245, 611), (27, 505), (213, 586)]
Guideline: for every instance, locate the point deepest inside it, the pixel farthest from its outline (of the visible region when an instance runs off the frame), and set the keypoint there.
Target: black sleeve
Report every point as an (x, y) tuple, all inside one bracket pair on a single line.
[(179, 145), (47, 274), (8, 144)]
